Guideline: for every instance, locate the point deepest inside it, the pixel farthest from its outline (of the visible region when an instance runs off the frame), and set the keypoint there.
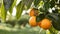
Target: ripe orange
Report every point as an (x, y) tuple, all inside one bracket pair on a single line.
[(45, 24), (32, 21), (39, 23), (33, 12)]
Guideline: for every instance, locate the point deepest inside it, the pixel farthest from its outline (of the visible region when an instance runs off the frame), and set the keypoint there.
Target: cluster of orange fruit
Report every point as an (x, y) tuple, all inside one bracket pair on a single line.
[(44, 23)]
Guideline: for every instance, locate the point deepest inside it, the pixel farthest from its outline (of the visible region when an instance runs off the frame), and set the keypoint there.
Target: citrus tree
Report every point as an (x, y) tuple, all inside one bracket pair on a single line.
[(43, 13)]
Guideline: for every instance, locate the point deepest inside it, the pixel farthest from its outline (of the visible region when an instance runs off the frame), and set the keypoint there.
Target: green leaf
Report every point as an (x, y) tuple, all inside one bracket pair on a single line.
[(36, 2), (3, 13), (0, 7), (48, 32), (19, 9), (46, 6), (42, 31), (53, 31), (11, 8), (52, 3), (46, 0), (55, 11), (0, 3), (55, 18), (7, 4), (27, 3), (40, 17), (41, 4)]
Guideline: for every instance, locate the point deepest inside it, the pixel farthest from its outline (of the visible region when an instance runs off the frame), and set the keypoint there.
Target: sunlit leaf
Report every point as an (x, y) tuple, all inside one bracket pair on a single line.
[(53, 31), (0, 3), (42, 31), (41, 4), (19, 9), (3, 13)]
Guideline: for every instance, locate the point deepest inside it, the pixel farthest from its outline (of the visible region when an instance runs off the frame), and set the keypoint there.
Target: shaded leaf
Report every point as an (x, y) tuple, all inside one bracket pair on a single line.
[(40, 17), (27, 3), (46, 0), (13, 4), (46, 6), (36, 2), (55, 17), (7, 3), (55, 11), (52, 3)]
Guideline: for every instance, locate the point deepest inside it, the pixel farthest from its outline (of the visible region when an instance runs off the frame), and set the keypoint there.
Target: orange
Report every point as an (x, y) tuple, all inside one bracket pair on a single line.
[(39, 23), (45, 23), (32, 21), (33, 12)]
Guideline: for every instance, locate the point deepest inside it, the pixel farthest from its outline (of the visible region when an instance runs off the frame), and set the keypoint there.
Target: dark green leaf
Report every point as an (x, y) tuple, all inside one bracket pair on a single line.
[(46, 0), (55, 17), (55, 11), (7, 4), (45, 12), (46, 6), (40, 17), (11, 7), (52, 3), (36, 2), (27, 3)]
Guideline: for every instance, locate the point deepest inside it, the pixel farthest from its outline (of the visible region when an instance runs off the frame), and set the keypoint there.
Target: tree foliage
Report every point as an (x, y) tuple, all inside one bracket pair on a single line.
[(42, 5)]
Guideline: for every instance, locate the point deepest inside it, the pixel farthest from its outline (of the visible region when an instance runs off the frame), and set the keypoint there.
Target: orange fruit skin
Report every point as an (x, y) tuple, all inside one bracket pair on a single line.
[(45, 24), (32, 21), (33, 12), (39, 23)]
